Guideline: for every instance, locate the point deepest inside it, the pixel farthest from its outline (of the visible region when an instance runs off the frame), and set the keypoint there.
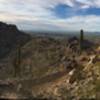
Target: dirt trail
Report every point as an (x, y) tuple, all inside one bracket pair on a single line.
[(34, 82), (12, 86), (43, 80)]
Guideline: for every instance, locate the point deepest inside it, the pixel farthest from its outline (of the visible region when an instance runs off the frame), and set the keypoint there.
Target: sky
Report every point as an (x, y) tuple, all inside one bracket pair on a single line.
[(52, 15)]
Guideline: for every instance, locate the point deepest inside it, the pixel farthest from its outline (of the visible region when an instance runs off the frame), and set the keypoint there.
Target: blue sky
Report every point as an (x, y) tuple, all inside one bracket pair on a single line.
[(55, 15)]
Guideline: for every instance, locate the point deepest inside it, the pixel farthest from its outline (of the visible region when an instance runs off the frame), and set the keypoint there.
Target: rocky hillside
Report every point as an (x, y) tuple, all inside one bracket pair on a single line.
[(52, 69), (10, 37)]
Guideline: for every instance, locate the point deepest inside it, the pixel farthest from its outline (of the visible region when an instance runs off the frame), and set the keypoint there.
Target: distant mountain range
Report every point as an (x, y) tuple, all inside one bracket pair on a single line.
[(61, 33), (10, 37)]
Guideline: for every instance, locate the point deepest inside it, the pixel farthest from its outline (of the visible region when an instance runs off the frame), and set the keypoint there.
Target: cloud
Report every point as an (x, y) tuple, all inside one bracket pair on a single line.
[(91, 3), (37, 14), (89, 23)]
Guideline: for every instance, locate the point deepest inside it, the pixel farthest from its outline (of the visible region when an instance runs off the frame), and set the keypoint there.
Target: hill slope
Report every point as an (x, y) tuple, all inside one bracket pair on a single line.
[(53, 69)]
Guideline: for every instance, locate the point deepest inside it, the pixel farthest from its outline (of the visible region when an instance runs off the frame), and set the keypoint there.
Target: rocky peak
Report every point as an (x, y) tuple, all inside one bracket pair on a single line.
[(4, 26)]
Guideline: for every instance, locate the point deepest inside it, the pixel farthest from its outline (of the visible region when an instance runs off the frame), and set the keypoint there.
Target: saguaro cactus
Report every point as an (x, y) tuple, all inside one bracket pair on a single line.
[(81, 39), (17, 62)]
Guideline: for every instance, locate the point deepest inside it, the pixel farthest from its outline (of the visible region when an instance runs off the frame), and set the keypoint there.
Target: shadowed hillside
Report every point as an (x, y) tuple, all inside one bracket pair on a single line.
[(10, 38)]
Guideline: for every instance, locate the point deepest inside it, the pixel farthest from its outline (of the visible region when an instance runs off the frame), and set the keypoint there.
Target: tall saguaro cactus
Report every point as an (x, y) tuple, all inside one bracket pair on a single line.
[(17, 62), (81, 39)]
